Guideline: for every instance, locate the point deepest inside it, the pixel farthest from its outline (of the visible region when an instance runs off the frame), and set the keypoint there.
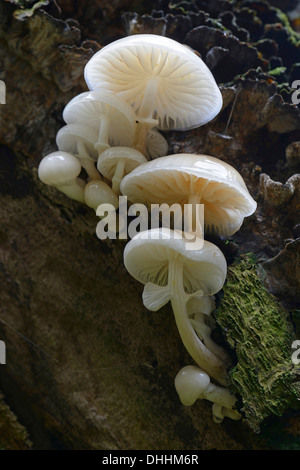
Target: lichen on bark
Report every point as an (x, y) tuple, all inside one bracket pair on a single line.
[(259, 332)]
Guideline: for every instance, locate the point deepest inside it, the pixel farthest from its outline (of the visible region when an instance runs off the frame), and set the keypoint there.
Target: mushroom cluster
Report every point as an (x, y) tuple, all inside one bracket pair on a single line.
[(182, 267), (111, 145), (138, 85)]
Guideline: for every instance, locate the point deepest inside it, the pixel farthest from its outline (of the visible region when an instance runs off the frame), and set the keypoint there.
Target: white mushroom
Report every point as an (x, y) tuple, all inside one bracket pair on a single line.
[(159, 258), (116, 162), (156, 145), (99, 196), (113, 119), (192, 383), (193, 179), (220, 412), (98, 192), (61, 169), (199, 309), (166, 83), (79, 139)]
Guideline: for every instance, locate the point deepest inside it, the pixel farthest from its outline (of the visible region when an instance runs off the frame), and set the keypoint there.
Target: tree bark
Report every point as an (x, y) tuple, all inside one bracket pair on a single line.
[(87, 366)]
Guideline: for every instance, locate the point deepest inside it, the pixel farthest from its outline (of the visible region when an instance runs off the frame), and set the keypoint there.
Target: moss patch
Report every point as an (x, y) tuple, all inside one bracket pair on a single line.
[(13, 436), (260, 332)]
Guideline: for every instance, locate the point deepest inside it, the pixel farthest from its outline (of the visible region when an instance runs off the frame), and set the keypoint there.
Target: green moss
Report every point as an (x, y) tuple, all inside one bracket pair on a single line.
[(294, 37), (260, 332), (277, 71), (26, 8), (13, 436)]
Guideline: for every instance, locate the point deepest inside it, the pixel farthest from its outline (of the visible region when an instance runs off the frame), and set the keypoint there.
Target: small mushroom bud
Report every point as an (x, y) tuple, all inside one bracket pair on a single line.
[(61, 169), (192, 383), (116, 162), (98, 192)]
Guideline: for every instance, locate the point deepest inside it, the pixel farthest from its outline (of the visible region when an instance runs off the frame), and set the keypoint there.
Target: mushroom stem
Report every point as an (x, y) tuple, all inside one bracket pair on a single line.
[(204, 332), (102, 142), (212, 364), (147, 107), (118, 175), (195, 197), (192, 223), (220, 412), (145, 114), (143, 126), (194, 384), (220, 395), (87, 162), (73, 189)]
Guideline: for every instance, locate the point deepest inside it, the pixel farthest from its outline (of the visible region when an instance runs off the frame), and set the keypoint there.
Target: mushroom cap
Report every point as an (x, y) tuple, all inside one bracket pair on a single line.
[(147, 256), (190, 383), (89, 108), (58, 168), (187, 94), (108, 160), (156, 145), (201, 304), (171, 179), (98, 192), (68, 136)]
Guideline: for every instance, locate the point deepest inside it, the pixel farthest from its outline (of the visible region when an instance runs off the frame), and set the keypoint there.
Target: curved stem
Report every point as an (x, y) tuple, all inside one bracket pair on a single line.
[(73, 189), (220, 412), (87, 162), (213, 365), (143, 126), (118, 175), (102, 142), (220, 395), (204, 333)]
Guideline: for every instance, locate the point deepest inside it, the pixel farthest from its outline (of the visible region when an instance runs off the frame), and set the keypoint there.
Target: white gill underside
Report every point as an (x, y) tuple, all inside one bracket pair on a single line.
[(180, 91), (220, 200)]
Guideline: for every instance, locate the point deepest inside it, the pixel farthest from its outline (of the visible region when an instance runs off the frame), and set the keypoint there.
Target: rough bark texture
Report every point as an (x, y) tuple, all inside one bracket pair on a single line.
[(87, 366), (260, 332)]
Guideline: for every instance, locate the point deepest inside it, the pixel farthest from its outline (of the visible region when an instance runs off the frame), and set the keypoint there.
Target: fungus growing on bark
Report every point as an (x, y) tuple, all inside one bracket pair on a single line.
[(192, 383), (113, 119), (98, 192), (170, 271), (61, 169), (199, 309), (116, 162), (156, 145), (193, 179), (166, 83), (78, 139)]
